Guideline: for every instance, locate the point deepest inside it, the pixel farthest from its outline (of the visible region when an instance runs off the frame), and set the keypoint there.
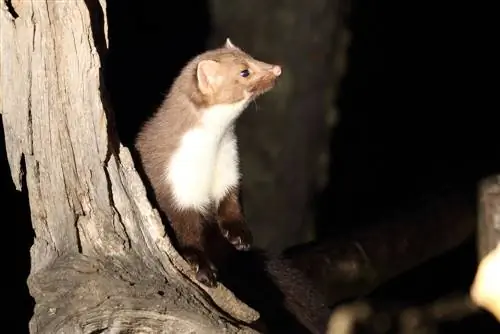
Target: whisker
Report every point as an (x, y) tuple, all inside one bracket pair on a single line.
[(256, 106)]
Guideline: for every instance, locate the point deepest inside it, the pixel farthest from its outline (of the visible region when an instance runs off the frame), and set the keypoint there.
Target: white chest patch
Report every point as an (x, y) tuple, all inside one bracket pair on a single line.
[(206, 164)]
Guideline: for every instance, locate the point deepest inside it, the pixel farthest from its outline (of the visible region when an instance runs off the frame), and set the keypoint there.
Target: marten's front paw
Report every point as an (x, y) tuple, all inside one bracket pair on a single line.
[(237, 234), (206, 272)]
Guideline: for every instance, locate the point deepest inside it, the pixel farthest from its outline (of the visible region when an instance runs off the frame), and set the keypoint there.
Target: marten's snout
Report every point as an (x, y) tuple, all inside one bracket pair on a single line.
[(266, 79), (276, 70)]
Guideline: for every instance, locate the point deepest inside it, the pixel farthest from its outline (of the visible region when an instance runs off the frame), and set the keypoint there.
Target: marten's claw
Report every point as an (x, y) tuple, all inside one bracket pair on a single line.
[(207, 276), (237, 234), (206, 272)]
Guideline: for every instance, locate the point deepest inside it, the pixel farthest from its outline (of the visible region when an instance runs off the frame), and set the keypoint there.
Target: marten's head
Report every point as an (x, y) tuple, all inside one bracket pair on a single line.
[(228, 75)]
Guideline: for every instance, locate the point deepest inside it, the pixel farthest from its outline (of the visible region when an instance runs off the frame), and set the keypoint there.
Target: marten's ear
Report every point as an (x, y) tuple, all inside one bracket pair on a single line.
[(208, 76), (230, 44)]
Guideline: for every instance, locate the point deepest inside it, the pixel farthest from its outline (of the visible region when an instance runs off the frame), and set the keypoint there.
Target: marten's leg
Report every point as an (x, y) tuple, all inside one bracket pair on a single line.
[(189, 227), (231, 221)]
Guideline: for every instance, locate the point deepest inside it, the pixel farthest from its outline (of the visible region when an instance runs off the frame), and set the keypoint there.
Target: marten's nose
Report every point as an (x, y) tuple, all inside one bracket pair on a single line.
[(276, 70)]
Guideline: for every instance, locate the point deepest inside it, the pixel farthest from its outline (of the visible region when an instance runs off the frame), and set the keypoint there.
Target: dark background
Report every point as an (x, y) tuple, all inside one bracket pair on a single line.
[(415, 112)]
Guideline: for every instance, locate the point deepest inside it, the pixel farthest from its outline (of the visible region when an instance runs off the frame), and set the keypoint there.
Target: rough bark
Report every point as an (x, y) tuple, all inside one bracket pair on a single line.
[(284, 143), (100, 258)]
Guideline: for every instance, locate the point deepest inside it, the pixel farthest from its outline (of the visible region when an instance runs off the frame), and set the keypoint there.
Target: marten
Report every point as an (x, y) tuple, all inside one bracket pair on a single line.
[(189, 154)]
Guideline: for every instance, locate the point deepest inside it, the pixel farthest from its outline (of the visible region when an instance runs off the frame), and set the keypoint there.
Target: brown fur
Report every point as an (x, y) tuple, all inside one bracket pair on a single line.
[(231, 221), (161, 135)]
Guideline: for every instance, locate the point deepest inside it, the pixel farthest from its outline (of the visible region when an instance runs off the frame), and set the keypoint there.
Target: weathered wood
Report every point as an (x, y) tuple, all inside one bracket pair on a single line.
[(100, 258)]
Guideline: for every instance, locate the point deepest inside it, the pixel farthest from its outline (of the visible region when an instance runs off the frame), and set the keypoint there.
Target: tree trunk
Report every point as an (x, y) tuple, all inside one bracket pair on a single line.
[(100, 258)]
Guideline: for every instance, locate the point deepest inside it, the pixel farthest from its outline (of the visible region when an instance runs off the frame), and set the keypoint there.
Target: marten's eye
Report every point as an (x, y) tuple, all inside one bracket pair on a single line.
[(245, 73)]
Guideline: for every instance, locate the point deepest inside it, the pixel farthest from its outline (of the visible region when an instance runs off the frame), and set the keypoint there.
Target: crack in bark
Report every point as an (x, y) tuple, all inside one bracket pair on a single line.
[(115, 212), (78, 238), (10, 9)]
